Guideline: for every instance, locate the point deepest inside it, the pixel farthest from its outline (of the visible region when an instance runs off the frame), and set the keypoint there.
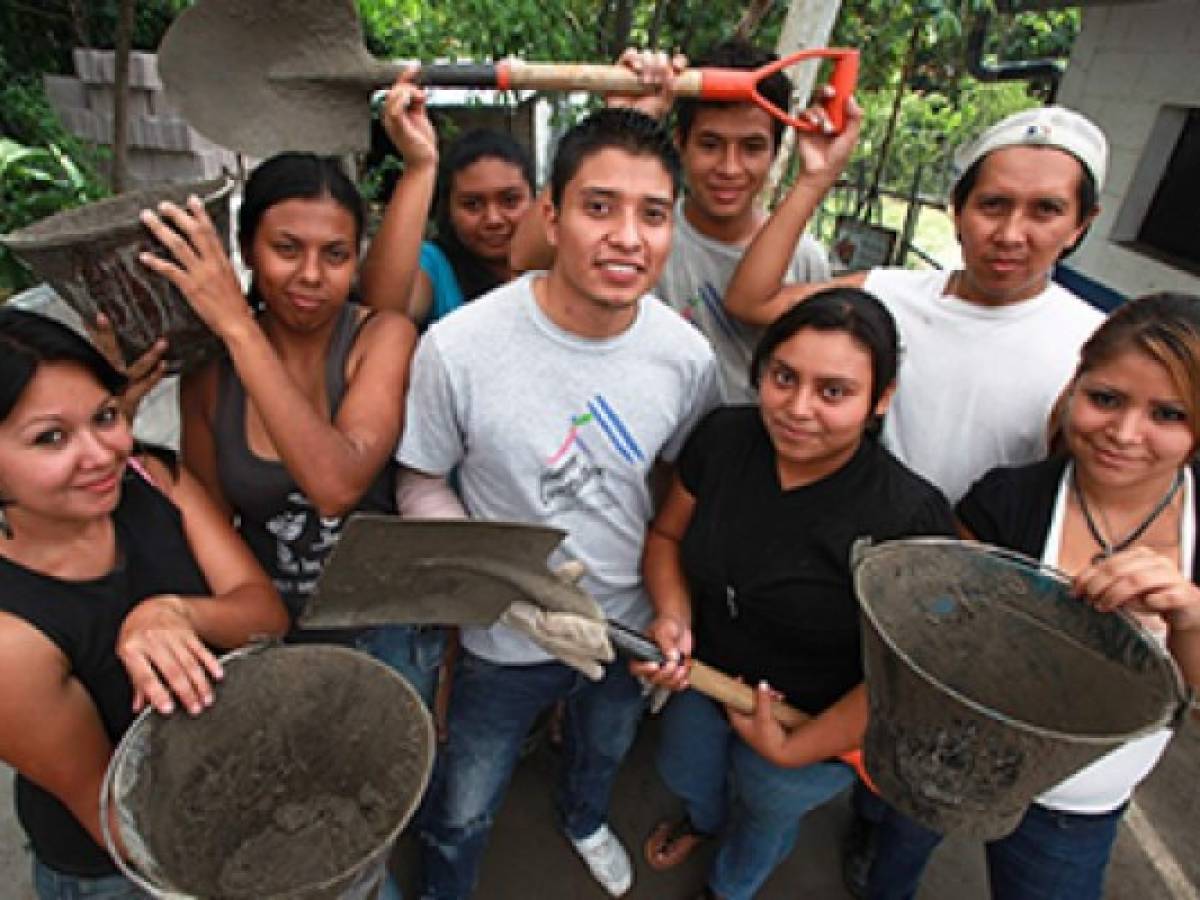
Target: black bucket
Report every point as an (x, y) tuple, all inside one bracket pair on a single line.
[(296, 783), (989, 683), (89, 256)]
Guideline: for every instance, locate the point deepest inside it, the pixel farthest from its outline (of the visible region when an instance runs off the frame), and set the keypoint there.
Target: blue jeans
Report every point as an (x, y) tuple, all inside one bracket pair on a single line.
[(730, 790), (413, 651), (50, 884), (1052, 855), (491, 709)]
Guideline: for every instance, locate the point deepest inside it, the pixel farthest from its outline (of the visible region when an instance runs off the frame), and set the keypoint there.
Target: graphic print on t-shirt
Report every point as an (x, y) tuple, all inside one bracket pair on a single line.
[(289, 527), (574, 477), (708, 298)]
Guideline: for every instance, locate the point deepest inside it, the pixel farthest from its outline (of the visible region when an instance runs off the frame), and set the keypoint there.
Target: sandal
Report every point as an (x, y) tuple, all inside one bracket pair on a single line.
[(671, 842)]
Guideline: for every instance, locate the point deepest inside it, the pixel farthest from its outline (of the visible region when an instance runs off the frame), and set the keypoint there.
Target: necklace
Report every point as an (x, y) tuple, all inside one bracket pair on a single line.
[(1107, 549)]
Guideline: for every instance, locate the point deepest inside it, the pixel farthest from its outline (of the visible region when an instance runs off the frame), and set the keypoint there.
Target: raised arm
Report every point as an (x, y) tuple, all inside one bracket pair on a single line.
[(333, 463), (756, 294), (391, 277)]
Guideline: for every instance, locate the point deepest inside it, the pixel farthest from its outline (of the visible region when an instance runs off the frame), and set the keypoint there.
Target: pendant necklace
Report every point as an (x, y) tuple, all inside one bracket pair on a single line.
[(1108, 549)]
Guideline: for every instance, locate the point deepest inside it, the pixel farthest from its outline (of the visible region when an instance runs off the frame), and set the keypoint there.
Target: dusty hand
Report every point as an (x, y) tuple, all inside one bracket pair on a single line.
[(407, 123), (658, 71), (143, 373), (1142, 581), (824, 154), (201, 269), (674, 639), (576, 640), (164, 657), (760, 729)]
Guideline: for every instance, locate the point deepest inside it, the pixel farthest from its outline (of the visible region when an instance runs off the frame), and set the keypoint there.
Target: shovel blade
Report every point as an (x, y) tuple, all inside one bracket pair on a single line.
[(217, 62), (391, 571)]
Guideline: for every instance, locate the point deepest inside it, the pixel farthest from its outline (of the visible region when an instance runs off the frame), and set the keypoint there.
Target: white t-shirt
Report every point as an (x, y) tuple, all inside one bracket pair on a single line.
[(551, 428), (693, 282), (1110, 780), (976, 383)]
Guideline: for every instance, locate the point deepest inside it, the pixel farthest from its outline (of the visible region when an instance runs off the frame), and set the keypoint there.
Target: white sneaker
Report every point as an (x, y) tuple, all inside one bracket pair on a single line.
[(606, 859)]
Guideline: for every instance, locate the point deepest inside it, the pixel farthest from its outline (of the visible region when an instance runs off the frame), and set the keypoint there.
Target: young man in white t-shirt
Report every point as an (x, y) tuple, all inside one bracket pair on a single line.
[(988, 348), (727, 149), (553, 397)]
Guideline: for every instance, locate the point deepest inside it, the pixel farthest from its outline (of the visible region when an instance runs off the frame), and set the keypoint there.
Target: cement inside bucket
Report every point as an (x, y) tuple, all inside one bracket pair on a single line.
[(89, 256), (989, 683), (300, 776)]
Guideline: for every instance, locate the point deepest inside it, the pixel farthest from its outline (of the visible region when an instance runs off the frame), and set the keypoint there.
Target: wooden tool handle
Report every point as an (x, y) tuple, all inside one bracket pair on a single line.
[(739, 695), (516, 74)]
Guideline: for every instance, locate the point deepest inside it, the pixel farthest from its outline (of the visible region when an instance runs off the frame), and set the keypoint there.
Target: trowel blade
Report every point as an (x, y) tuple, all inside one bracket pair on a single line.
[(391, 571)]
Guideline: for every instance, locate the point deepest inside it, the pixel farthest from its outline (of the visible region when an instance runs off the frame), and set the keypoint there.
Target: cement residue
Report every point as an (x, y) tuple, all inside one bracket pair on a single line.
[(304, 769)]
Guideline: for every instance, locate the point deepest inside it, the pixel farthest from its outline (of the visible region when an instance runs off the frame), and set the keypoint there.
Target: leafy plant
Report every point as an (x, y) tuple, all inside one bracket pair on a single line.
[(34, 183)]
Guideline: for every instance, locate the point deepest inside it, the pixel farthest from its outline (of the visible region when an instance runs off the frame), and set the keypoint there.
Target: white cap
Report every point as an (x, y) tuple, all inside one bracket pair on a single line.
[(1045, 126)]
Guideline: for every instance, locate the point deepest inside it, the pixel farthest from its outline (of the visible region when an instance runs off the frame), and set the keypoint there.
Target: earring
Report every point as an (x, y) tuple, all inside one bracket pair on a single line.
[(5, 527)]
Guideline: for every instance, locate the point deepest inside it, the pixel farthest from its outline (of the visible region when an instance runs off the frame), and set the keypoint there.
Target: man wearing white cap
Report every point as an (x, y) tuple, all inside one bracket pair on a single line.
[(986, 349)]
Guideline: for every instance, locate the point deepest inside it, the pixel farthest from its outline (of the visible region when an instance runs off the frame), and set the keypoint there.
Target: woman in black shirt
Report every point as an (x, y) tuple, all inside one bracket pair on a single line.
[(747, 564), (116, 571)]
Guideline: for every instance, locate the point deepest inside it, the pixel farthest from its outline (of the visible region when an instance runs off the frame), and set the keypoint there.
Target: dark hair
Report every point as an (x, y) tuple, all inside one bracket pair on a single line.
[(474, 277), (1166, 328), (297, 176), (737, 53), (1086, 195), (612, 128), (28, 341), (846, 309)]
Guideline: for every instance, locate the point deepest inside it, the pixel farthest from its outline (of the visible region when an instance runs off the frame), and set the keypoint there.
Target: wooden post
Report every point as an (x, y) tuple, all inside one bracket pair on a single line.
[(124, 43), (808, 23)]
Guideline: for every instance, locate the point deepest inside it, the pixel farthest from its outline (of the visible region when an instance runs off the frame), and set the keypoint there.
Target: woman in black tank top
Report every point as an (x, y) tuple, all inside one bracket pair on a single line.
[(296, 429), (116, 571)]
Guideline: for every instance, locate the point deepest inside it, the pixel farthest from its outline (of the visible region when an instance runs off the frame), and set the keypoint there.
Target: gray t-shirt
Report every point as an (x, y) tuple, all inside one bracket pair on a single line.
[(551, 428), (694, 281)]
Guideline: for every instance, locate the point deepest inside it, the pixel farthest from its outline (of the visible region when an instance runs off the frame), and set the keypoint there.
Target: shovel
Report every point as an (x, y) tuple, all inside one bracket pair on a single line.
[(391, 571), (261, 76)]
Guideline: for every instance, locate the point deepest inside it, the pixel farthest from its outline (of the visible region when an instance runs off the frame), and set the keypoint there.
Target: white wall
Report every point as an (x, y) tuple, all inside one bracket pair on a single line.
[(1128, 62)]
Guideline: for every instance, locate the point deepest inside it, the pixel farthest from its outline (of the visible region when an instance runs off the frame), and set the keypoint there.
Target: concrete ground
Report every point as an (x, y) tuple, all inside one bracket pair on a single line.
[(528, 858)]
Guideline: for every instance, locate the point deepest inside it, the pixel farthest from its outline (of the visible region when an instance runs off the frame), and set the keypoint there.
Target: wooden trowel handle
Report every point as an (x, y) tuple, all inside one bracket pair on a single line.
[(739, 695)]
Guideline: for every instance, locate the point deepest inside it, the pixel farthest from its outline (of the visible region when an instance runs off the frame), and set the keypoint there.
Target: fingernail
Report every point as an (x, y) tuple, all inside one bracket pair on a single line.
[(167, 708), (763, 686)]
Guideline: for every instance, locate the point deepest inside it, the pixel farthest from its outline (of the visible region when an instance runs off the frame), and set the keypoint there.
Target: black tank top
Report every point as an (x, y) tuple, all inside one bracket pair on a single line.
[(83, 619), (286, 534)]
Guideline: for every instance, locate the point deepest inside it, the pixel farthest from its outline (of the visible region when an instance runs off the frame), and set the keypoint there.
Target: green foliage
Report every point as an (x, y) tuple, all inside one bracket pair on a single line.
[(931, 126), (36, 36), (567, 30), (34, 183)]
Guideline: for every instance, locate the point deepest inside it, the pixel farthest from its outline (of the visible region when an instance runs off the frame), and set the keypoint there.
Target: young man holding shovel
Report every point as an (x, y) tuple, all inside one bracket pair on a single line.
[(585, 383)]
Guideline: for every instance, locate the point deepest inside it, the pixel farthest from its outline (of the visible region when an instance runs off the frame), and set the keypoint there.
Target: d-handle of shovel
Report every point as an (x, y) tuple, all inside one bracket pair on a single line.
[(742, 85), (729, 691), (735, 85)]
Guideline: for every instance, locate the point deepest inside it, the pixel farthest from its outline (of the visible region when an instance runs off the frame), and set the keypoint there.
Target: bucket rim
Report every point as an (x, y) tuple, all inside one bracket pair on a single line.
[(121, 755), (32, 238), (864, 550)]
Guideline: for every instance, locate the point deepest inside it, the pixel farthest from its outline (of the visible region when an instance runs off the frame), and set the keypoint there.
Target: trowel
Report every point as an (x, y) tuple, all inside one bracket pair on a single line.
[(391, 571), (261, 76)]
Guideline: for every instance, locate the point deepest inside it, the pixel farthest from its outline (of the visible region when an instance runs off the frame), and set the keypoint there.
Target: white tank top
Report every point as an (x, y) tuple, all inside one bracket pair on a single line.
[(1109, 782)]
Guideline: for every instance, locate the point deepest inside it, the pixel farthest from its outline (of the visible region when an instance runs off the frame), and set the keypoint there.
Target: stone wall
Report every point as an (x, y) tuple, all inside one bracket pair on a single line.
[(162, 146)]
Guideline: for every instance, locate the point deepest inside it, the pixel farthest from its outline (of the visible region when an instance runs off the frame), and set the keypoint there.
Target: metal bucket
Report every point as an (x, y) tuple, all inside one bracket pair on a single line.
[(989, 683), (296, 783), (89, 256)]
